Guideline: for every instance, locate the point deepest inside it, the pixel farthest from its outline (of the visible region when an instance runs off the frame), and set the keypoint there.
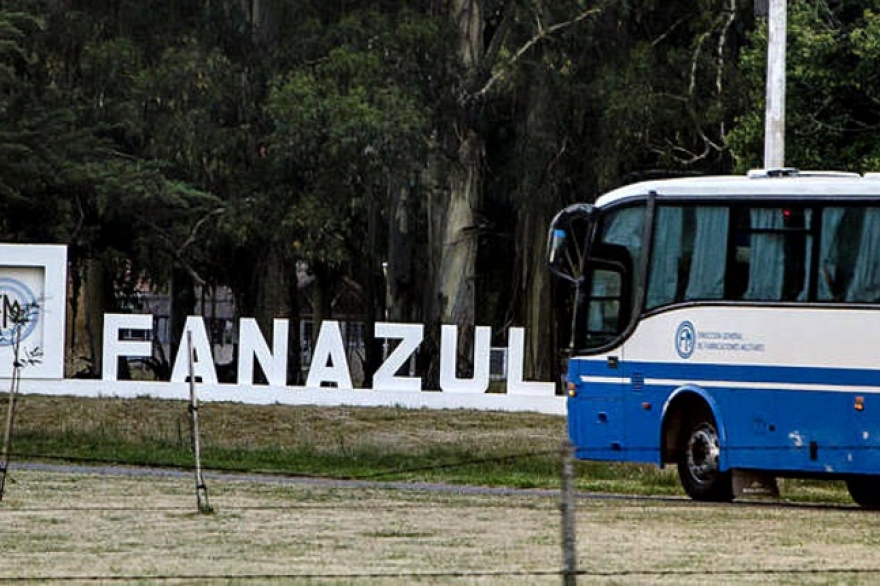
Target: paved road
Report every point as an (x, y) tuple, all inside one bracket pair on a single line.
[(134, 471), (439, 487)]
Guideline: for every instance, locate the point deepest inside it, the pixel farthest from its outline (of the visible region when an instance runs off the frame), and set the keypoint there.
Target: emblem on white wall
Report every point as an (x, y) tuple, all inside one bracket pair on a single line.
[(33, 291)]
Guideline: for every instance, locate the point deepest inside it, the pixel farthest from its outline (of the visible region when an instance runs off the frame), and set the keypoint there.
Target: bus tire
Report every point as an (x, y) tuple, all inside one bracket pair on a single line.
[(698, 461), (865, 491)]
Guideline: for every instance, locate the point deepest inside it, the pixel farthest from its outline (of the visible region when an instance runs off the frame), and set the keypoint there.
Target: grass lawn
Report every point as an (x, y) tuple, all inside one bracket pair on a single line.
[(453, 446)]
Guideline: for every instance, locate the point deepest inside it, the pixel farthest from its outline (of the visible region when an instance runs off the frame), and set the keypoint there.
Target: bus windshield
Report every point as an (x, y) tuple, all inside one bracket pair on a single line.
[(611, 278)]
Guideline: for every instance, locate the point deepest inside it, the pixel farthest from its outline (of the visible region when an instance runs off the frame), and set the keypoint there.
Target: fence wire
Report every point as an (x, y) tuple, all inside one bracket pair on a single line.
[(644, 574), (583, 453)]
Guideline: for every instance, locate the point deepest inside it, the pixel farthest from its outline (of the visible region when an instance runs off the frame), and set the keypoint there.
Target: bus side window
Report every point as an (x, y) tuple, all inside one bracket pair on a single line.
[(688, 254), (865, 284), (772, 254), (850, 255), (837, 249), (611, 277), (668, 257), (621, 241), (766, 258), (708, 261)]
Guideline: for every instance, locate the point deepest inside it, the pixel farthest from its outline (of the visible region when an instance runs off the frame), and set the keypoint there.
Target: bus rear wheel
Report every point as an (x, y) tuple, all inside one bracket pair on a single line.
[(865, 491), (698, 462)]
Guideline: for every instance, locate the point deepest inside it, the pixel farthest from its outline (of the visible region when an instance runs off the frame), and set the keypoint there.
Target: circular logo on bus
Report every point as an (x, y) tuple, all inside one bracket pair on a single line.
[(685, 339), (18, 309)]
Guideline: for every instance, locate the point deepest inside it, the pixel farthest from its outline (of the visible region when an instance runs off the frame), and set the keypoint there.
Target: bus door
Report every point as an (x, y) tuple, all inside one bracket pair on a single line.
[(600, 254), (612, 276), (596, 415)]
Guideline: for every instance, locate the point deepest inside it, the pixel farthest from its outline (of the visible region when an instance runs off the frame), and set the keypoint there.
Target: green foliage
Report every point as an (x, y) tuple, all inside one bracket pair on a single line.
[(186, 135), (662, 86), (832, 91), (341, 128), (74, 143)]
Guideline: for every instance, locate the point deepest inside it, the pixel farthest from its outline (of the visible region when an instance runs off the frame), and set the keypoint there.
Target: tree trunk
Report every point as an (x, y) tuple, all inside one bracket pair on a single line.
[(538, 202), (183, 304), (541, 360), (276, 297), (294, 346), (435, 203), (322, 297), (77, 334), (98, 299), (400, 299), (374, 277), (455, 284)]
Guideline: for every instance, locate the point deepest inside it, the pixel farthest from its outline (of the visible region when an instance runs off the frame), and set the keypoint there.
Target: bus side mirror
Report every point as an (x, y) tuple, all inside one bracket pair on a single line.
[(556, 250), (567, 242)]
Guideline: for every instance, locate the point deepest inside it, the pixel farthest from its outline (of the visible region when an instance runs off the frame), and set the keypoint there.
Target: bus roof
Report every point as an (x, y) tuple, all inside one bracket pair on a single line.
[(760, 184)]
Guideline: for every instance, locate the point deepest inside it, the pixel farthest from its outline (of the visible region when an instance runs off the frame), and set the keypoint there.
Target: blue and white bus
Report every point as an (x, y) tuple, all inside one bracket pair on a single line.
[(729, 326)]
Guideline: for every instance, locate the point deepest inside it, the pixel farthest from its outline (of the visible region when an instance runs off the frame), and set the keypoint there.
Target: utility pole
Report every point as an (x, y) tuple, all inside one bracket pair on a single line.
[(774, 126)]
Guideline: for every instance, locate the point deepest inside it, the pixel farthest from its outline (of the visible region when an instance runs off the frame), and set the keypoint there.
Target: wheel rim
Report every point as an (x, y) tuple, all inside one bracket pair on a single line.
[(702, 454)]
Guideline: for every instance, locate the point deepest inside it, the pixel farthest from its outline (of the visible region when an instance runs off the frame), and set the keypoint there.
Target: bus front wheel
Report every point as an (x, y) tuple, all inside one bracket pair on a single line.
[(698, 462), (865, 491)]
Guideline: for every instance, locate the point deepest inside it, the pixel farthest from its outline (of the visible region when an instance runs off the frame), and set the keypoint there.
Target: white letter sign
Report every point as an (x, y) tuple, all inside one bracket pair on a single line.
[(329, 348), (114, 348), (410, 336), (203, 364), (515, 356), (251, 343), (449, 380)]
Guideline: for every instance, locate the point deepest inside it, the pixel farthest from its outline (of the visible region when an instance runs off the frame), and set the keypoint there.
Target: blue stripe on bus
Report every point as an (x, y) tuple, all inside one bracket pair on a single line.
[(737, 373)]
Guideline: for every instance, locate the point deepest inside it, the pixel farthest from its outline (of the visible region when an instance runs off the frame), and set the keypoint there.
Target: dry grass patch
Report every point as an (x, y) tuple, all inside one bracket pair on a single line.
[(69, 527), (322, 429)]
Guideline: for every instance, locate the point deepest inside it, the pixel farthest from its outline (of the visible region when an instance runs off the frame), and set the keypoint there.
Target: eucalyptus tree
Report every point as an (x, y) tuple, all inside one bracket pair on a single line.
[(344, 128), (670, 88), (634, 90), (53, 161), (34, 131), (492, 40), (78, 168), (552, 100)]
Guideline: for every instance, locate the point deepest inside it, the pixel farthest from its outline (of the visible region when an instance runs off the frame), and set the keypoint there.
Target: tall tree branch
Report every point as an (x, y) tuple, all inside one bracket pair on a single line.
[(176, 250), (541, 34)]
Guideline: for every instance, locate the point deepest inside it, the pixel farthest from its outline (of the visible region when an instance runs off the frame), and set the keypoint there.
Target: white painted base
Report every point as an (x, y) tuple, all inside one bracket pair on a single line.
[(325, 397)]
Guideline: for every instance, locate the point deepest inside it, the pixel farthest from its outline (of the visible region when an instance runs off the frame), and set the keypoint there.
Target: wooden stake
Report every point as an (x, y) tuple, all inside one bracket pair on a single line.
[(569, 543), (201, 488), (10, 411)]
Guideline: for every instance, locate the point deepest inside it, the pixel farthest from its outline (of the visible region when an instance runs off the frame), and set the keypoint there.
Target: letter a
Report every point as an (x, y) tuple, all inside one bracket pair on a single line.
[(329, 348), (203, 365)]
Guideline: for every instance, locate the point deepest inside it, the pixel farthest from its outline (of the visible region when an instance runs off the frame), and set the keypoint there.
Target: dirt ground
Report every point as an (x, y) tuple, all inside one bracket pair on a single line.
[(69, 527)]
